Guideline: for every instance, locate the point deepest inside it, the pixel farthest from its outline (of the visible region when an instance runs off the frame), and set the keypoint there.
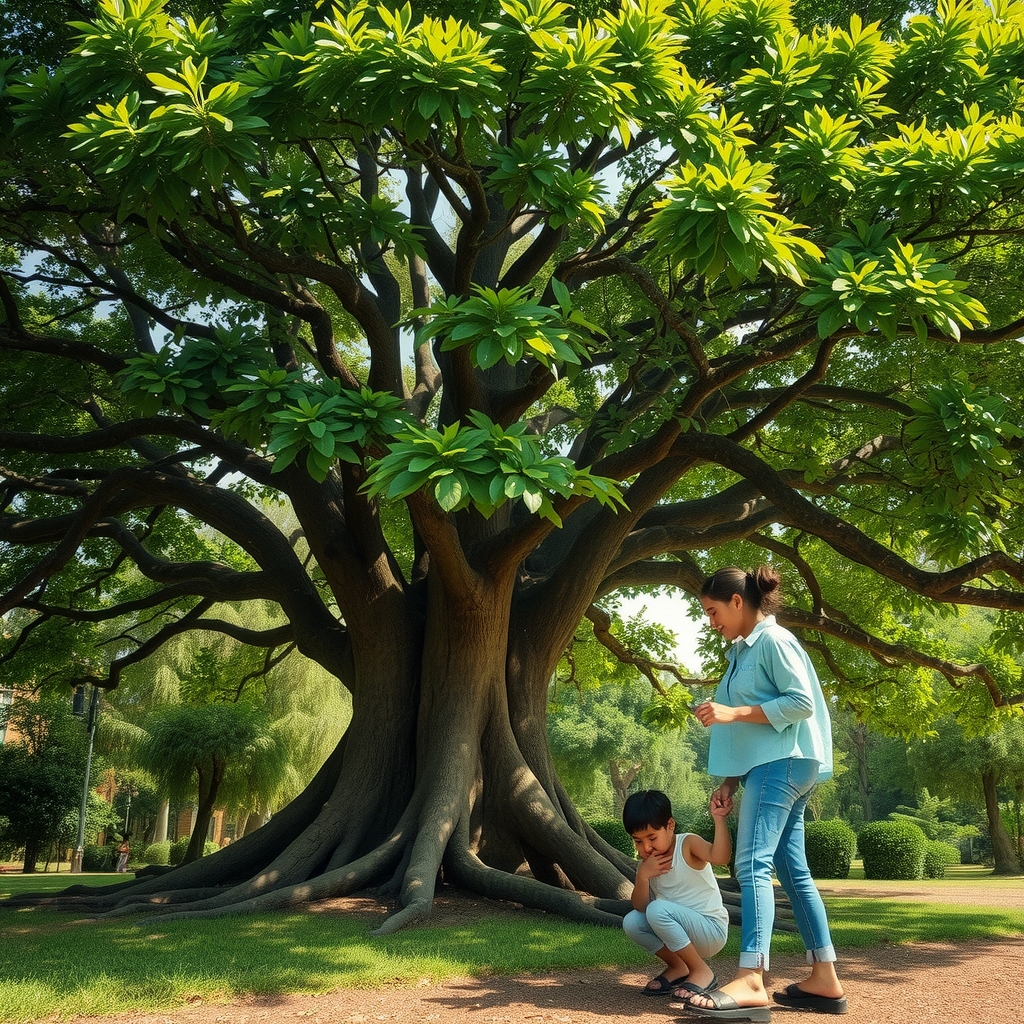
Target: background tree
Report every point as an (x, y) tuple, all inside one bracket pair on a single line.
[(514, 312), (42, 771), (601, 745), (973, 767)]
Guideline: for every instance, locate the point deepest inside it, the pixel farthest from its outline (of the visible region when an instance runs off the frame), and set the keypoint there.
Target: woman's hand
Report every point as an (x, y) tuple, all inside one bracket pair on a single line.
[(711, 713)]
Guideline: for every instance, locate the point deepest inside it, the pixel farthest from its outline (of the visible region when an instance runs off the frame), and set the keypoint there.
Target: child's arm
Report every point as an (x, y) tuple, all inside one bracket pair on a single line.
[(719, 851)]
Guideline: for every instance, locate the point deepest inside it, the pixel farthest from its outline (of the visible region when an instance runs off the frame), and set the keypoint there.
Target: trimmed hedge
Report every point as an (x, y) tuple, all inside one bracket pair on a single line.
[(892, 849), (613, 833), (157, 853), (830, 847), (99, 858), (937, 857)]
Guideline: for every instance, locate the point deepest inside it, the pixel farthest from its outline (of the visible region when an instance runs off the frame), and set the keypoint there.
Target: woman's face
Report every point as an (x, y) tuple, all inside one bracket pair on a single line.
[(727, 617)]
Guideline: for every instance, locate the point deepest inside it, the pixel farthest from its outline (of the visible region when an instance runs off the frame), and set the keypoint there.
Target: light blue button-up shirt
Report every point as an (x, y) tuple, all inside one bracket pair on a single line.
[(771, 670)]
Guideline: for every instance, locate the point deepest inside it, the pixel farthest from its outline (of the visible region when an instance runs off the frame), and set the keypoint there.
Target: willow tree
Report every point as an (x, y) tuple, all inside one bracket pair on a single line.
[(514, 312)]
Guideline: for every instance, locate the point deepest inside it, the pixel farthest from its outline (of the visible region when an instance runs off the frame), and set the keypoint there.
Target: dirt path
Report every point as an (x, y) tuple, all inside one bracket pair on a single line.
[(969, 983)]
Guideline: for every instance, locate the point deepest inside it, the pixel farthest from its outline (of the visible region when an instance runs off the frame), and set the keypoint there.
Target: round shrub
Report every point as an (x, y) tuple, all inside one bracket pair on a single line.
[(612, 832), (892, 849), (830, 847), (937, 857), (99, 858), (157, 853)]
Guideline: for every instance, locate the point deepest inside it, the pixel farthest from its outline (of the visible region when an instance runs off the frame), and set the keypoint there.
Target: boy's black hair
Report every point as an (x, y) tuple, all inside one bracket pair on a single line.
[(649, 808)]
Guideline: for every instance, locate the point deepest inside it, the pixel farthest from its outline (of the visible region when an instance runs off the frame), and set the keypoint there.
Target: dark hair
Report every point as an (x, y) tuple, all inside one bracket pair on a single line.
[(649, 808), (759, 589)]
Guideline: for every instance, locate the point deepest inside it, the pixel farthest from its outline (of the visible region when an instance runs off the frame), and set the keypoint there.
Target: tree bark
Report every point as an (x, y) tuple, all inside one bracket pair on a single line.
[(1006, 862)]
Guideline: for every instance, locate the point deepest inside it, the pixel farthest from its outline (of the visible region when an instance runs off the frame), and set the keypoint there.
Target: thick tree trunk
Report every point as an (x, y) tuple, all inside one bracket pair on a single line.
[(444, 770), (1006, 862), (31, 857)]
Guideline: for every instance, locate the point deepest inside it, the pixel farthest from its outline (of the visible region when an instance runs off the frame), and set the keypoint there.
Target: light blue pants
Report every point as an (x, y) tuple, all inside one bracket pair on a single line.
[(674, 926), (771, 830)]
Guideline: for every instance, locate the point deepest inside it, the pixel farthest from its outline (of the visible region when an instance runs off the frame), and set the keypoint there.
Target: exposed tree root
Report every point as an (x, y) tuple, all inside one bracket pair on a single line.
[(469, 871)]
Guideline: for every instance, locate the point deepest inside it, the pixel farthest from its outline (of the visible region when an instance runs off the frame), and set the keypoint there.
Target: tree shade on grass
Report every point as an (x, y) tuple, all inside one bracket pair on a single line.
[(683, 285)]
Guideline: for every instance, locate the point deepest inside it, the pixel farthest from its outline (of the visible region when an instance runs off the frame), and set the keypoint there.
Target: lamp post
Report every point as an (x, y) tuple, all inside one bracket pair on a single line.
[(128, 809), (76, 857)]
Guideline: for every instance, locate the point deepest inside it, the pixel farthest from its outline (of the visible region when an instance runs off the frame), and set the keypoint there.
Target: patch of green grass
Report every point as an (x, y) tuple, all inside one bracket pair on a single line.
[(55, 965), (21, 885)]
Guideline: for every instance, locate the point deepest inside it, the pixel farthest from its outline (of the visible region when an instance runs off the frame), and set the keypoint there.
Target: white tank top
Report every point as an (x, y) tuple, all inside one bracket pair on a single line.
[(695, 889)]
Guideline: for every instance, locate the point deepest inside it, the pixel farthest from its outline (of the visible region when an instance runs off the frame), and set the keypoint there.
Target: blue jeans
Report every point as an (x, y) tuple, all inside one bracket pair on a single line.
[(771, 831)]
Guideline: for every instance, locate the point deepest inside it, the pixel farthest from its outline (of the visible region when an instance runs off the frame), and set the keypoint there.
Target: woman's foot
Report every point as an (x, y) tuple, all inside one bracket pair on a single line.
[(799, 997), (745, 991)]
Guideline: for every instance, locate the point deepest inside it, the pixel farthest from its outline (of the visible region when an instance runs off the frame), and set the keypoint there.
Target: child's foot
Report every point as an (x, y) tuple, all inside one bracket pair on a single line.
[(697, 983), (661, 985)]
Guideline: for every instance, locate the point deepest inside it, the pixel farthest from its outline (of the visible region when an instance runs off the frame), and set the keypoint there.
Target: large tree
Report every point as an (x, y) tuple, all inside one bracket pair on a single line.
[(515, 310)]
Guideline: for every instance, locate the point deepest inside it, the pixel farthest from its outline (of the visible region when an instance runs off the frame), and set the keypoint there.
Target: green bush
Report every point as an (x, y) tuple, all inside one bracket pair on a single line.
[(99, 858), (612, 832), (892, 849), (157, 853), (830, 847), (180, 846), (937, 857)]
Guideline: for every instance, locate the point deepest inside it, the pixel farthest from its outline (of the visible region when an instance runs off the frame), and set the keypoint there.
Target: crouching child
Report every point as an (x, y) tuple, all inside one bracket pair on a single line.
[(679, 915)]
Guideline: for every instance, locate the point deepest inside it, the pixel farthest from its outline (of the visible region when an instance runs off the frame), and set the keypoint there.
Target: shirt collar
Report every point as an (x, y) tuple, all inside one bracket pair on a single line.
[(762, 625)]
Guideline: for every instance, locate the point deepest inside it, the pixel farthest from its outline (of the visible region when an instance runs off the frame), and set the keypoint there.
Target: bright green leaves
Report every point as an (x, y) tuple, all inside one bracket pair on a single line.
[(873, 281), (508, 325), (529, 170), (791, 79), (381, 68), (574, 86), (483, 466), (227, 381), (719, 218), (153, 382), (587, 77), (328, 422), (951, 164), (820, 157), (161, 151), (127, 40), (955, 442)]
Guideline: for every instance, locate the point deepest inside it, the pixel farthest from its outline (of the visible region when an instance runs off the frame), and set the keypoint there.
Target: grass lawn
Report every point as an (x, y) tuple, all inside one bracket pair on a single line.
[(53, 964)]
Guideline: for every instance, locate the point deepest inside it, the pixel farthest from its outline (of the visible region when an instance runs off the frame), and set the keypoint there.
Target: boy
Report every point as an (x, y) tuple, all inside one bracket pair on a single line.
[(679, 914)]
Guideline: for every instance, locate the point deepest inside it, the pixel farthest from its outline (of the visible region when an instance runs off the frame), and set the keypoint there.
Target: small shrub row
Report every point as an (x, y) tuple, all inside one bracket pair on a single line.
[(892, 849), (830, 847), (158, 853), (937, 857)]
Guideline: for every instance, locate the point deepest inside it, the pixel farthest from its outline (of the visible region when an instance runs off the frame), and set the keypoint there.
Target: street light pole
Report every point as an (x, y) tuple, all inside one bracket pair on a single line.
[(76, 857)]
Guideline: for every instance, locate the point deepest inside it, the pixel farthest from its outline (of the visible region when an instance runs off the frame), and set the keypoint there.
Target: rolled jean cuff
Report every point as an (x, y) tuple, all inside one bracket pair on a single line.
[(825, 955), (754, 961)]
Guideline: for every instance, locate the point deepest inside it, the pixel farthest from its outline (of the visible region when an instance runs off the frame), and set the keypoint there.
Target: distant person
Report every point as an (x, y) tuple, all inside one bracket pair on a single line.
[(770, 730), (679, 915), (122, 856)]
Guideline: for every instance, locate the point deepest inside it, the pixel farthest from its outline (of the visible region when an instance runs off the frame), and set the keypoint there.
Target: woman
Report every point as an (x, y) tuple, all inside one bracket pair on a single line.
[(772, 733)]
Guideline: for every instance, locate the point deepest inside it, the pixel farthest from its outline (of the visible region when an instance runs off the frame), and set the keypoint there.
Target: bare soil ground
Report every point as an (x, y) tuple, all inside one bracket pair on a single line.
[(970, 983)]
